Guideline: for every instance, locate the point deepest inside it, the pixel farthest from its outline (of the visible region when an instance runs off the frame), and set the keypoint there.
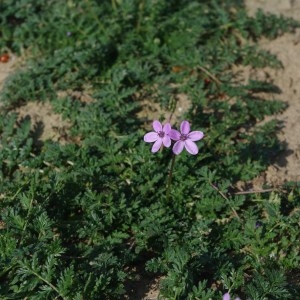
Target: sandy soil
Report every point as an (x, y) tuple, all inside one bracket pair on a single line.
[(45, 123), (287, 49), (285, 168)]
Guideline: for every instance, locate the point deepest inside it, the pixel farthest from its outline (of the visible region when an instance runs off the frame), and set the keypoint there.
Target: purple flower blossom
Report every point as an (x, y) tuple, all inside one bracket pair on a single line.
[(159, 136), (227, 297), (185, 139)]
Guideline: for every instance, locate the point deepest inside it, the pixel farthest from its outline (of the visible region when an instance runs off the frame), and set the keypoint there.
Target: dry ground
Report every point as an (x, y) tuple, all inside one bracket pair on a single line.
[(285, 168), (287, 49)]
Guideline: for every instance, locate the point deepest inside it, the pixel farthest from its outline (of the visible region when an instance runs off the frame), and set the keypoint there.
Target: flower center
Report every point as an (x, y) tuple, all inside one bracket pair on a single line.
[(183, 137), (161, 134)]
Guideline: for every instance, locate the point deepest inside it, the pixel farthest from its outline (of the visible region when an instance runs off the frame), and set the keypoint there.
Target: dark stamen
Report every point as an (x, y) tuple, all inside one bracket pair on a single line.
[(183, 137), (161, 134)]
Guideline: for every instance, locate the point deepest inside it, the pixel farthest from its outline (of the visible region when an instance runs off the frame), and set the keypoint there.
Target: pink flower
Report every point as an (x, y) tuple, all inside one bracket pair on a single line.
[(227, 297), (185, 139), (159, 136)]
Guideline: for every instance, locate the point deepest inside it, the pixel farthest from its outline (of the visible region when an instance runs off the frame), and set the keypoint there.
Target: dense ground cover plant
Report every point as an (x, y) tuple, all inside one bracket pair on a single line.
[(78, 219)]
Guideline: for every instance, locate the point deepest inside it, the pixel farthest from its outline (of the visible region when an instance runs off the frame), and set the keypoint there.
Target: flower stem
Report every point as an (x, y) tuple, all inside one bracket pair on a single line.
[(170, 177), (113, 4), (223, 195)]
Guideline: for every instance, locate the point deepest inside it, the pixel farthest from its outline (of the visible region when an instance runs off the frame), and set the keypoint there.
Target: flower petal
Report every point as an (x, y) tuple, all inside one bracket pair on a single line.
[(157, 126), (195, 135), (185, 127), (167, 128), (226, 296), (191, 147), (166, 141), (174, 134), (150, 137), (156, 146), (178, 147)]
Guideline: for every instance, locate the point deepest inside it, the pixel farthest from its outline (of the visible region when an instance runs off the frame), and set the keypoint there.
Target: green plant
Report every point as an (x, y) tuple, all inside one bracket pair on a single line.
[(77, 218)]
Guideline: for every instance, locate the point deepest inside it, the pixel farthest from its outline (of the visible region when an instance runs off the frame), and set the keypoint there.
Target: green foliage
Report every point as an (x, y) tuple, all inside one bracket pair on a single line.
[(78, 218)]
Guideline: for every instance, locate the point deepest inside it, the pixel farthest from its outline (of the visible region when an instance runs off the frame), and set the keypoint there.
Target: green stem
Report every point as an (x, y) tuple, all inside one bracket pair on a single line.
[(140, 14), (113, 4), (170, 177), (26, 220), (224, 196), (44, 280)]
